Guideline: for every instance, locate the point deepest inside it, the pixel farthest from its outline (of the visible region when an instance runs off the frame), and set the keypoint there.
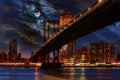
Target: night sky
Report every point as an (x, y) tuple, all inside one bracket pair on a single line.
[(23, 21)]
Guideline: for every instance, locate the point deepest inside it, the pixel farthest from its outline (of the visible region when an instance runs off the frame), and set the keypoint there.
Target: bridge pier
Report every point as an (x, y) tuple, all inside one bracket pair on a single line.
[(51, 65), (56, 56), (47, 58)]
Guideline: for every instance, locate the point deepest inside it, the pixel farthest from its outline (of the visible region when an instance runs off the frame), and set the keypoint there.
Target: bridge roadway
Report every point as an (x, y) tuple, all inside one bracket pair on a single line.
[(94, 18)]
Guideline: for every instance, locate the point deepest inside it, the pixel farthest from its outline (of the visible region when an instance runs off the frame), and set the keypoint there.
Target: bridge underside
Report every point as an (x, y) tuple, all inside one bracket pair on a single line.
[(103, 16)]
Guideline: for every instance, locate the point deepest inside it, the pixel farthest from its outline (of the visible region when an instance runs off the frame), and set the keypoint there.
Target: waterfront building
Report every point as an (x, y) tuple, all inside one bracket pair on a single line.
[(3, 57), (83, 55), (72, 51), (64, 54), (102, 52), (13, 49), (19, 57)]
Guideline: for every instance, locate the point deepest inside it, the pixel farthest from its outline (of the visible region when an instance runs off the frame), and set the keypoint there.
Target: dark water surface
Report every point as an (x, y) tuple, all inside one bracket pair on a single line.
[(66, 73)]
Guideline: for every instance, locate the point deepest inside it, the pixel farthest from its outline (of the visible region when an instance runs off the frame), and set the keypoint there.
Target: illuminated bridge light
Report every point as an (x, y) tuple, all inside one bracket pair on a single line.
[(81, 15), (51, 37), (48, 40), (89, 8), (100, 1), (65, 27), (60, 30), (74, 20), (38, 64), (69, 24), (45, 44), (57, 33)]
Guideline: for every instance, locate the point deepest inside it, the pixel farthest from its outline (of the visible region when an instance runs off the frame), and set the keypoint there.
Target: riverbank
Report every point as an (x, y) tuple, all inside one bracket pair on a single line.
[(20, 64), (62, 65), (91, 65)]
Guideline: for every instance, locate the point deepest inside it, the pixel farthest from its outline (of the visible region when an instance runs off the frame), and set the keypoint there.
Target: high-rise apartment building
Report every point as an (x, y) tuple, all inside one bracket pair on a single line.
[(102, 52)]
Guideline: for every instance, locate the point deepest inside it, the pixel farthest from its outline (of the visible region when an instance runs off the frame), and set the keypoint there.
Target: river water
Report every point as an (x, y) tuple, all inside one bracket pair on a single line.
[(66, 73)]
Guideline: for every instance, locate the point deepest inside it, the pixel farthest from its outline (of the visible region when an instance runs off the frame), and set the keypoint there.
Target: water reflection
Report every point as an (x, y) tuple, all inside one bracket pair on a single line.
[(82, 77), (66, 73), (12, 74), (36, 74), (106, 73)]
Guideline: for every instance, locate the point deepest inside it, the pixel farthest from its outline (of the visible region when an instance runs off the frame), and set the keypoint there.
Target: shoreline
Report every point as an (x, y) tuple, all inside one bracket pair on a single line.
[(55, 65), (60, 67)]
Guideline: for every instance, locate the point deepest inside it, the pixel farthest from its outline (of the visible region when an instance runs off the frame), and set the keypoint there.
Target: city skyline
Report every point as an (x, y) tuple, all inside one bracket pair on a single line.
[(14, 51), (59, 39), (102, 52), (85, 41)]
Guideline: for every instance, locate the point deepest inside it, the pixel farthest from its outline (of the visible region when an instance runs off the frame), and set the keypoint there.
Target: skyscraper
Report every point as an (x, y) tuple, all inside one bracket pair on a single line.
[(13, 49), (65, 18)]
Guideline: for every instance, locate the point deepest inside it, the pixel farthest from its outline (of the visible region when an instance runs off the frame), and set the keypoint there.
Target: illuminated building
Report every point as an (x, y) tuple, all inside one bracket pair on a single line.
[(83, 55), (65, 18), (3, 57), (13, 50), (64, 54), (102, 52), (71, 51), (68, 51)]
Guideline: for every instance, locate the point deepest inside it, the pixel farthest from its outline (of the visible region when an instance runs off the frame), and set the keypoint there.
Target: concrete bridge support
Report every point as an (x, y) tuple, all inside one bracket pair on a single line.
[(51, 65)]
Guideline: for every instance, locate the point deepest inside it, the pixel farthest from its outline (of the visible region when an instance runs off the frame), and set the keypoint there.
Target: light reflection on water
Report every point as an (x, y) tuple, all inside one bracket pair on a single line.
[(66, 73), (36, 74), (82, 77)]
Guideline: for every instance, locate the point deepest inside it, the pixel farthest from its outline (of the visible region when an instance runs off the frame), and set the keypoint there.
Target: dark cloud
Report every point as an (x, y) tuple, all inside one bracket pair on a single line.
[(75, 6), (25, 25)]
